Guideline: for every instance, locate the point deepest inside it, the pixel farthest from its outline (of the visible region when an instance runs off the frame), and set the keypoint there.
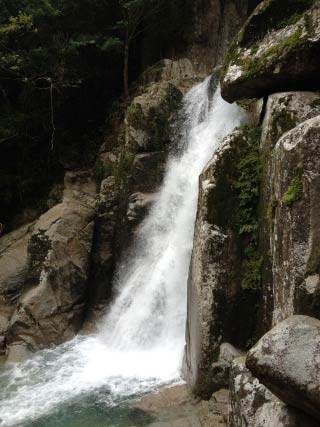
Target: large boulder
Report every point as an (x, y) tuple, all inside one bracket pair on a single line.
[(286, 360), (149, 115), (283, 112), (253, 405), (278, 49), (46, 268), (218, 308), (295, 221), (13, 270)]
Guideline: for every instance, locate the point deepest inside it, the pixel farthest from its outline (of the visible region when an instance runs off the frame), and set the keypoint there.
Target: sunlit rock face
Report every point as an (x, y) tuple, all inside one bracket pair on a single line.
[(283, 112), (44, 269), (253, 404), (286, 361), (295, 221), (277, 50)]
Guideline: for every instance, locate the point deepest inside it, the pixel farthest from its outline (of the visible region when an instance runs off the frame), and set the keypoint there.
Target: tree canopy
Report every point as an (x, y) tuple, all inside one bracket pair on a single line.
[(62, 63)]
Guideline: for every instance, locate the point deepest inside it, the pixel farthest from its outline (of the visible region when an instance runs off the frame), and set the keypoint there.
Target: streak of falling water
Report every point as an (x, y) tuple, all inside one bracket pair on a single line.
[(140, 342)]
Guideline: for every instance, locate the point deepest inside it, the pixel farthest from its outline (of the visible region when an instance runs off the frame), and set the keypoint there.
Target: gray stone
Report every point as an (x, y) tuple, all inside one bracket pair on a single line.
[(18, 352), (220, 370), (283, 112), (247, 395), (295, 226), (253, 405), (214, 287), (278, 414), (148, 117), (274, 52), (286, 360), (46, 264)]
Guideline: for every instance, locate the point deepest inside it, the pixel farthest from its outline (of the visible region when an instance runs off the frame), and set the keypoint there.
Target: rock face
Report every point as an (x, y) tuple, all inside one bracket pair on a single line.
[(214, 288), (283, 112), (277, 50), (207, 47), (286, 360), (45, 270), (253, 405), (296, 228)]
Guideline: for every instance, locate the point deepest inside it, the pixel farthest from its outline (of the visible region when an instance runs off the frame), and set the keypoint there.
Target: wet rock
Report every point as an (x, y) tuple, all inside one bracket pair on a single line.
[(171, 407), (18, 352), (214, 285), (286, 360), (166, 398), (277, 50), (149, 115), (295, 224), (132, 171), (13, 270), (177, 407), (218, 410)]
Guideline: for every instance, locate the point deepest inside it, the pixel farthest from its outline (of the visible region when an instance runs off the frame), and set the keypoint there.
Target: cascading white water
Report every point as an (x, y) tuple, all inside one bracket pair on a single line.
[(140, 342)]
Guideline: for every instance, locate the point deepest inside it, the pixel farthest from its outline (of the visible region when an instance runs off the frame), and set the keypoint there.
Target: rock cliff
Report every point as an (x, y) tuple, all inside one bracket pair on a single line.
[(256, 239)]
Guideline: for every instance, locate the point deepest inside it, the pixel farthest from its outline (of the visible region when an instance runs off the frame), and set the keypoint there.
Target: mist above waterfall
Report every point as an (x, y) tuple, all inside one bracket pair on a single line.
[(140, 342)]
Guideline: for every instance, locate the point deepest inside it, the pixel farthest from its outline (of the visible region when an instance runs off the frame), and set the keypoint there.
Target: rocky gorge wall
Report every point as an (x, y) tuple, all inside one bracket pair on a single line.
[(255, 262)]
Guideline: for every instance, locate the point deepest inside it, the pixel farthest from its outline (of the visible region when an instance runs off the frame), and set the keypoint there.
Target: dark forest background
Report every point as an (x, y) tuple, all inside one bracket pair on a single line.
[(61, 74)]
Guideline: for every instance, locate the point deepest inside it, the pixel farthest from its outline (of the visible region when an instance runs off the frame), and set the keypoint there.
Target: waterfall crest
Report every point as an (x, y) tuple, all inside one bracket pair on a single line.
[(140, 342)]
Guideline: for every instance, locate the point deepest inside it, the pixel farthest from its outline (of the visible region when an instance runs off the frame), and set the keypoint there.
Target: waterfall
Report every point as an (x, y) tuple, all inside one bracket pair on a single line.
[(140, 342)]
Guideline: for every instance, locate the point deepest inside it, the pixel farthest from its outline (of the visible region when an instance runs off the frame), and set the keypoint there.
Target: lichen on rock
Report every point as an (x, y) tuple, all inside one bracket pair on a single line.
[(277, 49)]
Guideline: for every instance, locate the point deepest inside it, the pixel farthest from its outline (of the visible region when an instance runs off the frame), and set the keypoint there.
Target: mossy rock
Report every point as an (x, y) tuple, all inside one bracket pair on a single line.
[(149, 117), (277, 50)]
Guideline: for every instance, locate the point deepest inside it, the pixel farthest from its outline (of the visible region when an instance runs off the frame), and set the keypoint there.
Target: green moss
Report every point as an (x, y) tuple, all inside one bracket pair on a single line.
[(247, 104), (294, 192), (253, 273), (231, 57), (248, 184), (135, 116), (254, 66), (156, 123)]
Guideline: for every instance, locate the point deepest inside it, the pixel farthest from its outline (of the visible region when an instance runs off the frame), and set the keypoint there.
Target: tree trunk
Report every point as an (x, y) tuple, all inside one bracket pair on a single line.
[(126, 71)]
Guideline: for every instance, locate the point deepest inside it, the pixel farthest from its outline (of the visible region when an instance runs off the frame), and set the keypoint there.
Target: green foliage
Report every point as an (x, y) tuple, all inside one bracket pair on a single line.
[(61, 65), (249, 170), (294, 192), (252, 275), (17, 24)]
